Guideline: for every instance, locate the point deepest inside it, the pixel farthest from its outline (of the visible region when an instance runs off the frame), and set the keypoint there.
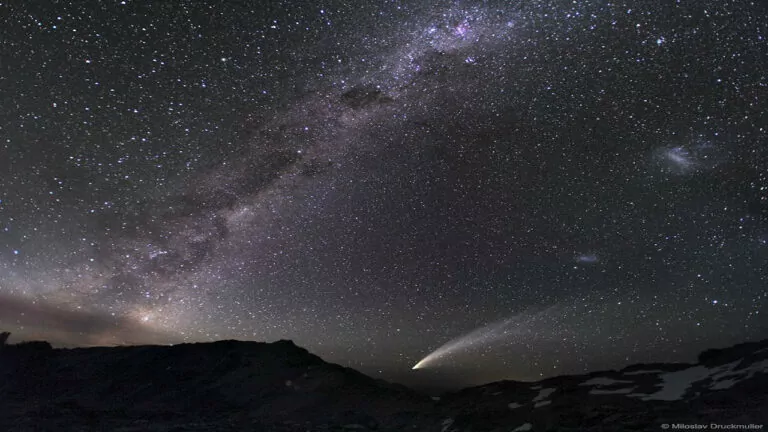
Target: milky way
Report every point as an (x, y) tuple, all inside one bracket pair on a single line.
[(375, 180)]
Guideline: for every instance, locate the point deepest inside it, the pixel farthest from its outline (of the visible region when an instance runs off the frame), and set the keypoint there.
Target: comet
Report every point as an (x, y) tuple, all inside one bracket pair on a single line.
[(499, 331)]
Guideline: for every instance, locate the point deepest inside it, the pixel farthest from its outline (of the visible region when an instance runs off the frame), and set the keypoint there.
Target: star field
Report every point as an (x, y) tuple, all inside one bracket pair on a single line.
[(574, 185)]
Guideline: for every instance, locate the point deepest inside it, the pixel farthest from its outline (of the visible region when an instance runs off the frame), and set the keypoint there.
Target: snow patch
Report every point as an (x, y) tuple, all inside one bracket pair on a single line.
[(675, 384), (522, 428), (603, 381), (543, 394), (724, 384), (446, 424), (730, 377)]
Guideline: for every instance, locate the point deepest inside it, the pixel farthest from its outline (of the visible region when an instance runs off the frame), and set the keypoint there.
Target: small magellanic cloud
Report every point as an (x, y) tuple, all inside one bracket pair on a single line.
[(587, 259)]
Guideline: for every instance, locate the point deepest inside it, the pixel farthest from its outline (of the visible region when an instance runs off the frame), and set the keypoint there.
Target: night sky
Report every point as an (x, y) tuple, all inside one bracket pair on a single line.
[(548, 187)]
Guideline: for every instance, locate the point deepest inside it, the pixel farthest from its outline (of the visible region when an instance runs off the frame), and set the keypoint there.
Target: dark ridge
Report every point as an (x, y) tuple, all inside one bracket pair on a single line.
[(30, 346), (667, 367), (233, 385), (727, 355)]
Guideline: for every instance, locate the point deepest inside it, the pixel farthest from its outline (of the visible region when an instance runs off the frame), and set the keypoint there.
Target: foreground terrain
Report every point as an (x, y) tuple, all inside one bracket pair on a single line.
[(250, 386)]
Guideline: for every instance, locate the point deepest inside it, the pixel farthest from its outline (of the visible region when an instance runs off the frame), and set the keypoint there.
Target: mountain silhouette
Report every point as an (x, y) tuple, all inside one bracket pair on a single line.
[(252, 386)]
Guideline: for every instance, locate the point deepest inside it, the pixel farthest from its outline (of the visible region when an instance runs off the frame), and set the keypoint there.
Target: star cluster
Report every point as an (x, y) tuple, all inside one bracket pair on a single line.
[(373, 180)]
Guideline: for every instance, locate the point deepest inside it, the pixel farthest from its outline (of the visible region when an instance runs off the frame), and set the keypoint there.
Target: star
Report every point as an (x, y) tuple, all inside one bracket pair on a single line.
[(448, 185)]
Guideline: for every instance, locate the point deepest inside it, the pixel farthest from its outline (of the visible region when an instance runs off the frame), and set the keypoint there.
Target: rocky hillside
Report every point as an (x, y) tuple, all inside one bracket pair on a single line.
[(725, 387), (250, 386)]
